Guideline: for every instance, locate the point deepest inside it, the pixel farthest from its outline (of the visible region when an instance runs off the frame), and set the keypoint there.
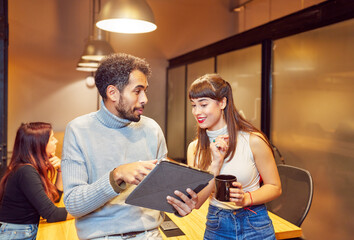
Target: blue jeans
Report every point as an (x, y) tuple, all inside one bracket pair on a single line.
[(239, 224), (18, 231)]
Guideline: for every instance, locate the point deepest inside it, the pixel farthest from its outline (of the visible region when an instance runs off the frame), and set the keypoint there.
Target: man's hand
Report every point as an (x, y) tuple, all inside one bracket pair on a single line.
[(188, 204), (133, 173)]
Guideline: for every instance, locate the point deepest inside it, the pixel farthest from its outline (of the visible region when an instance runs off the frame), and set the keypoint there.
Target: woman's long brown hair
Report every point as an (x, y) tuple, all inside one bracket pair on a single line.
[(30, 149), (214, 87)]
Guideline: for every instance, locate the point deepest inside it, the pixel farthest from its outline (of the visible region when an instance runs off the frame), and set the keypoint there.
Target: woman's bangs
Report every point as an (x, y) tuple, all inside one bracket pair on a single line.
[(202, 89)]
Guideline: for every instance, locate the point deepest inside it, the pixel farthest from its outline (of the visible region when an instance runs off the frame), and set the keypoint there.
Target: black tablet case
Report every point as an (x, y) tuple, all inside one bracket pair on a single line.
[(163, 180)]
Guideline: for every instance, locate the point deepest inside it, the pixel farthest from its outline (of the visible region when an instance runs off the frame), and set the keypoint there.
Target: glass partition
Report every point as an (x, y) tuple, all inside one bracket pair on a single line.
[(242, 69), (313, 120), (175, 135), (194, 71)]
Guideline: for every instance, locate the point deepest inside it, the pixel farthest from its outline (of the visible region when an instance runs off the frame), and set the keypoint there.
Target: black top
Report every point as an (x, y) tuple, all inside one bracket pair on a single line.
[(25, 200)]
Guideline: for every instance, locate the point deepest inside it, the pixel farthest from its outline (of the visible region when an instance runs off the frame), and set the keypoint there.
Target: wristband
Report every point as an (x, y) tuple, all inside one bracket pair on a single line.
[(249, 207)]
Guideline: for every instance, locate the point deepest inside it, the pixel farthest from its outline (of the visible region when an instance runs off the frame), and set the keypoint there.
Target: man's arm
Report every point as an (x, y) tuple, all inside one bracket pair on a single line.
[(80, 197)]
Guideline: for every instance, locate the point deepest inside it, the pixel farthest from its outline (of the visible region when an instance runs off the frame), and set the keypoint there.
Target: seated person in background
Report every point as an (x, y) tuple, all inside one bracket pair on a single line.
[(227, 144), (106, 153), (27, 191)]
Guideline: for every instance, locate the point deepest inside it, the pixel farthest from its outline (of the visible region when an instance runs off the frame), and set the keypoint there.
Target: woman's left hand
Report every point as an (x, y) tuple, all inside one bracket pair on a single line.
[(220, 145), (55, 161), (218, 149), (237, 195)]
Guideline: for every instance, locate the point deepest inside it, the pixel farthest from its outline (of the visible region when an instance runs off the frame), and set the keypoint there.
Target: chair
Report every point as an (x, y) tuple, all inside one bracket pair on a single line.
[(297, 191)]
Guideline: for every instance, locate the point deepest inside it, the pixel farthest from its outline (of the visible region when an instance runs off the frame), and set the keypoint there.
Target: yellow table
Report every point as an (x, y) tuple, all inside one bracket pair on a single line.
[(192, 225)]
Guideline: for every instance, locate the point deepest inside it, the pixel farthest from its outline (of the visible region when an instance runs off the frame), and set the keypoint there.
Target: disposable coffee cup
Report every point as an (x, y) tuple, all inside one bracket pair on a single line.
[(223, 183)]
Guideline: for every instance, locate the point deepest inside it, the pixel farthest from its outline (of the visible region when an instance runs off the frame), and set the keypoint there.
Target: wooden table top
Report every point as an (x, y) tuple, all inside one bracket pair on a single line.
[(192, 225)]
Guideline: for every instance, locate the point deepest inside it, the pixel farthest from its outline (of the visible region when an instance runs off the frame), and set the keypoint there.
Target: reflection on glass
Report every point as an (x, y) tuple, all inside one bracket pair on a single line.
[(176, 113), (194, 71), (313, 119), (242, 69)]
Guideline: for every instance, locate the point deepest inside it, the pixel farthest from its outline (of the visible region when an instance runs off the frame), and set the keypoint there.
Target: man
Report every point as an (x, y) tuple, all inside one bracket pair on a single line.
[(108, 152)]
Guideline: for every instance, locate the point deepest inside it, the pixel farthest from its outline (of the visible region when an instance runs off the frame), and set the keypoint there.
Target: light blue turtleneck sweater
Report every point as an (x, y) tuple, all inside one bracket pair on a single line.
[(94, 144)]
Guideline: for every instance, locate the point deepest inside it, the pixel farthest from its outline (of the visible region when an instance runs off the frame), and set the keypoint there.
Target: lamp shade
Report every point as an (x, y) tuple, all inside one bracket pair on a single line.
[(96, 49), (126, 16), (86, 69), (87, 65)]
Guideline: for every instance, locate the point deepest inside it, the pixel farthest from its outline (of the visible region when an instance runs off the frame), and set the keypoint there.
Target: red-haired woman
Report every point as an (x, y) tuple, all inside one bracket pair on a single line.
[(26, 190)]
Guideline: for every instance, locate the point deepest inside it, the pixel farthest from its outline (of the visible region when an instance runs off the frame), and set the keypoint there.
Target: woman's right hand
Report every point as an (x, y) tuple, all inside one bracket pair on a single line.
[(55, 161), (218, 149), (237, 195)]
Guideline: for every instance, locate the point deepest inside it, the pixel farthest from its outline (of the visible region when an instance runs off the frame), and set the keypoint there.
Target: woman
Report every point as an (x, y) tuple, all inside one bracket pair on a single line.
[(26, 189), (227, 144)]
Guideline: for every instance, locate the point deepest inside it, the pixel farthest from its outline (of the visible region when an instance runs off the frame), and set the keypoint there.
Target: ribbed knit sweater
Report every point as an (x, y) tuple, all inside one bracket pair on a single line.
[(94, 144)]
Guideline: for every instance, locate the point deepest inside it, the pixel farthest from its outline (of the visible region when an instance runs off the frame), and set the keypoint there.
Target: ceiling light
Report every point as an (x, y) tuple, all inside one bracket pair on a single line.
[(97, 48), (90, 81), (126, 16), (87, 65), (86, 69)]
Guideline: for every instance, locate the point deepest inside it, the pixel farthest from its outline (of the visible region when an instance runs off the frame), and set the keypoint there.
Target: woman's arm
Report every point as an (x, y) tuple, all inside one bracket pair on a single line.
[(59, 180), (267, 169), (205, 192), (31, 185), (56, 162), (215, 167)]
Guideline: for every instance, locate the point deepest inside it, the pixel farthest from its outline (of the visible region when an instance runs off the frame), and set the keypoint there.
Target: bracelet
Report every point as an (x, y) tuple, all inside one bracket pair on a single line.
[(251, 199)]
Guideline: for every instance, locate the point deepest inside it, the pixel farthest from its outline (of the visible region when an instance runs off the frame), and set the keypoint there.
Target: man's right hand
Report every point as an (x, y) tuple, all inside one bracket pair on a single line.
[(133, 173)]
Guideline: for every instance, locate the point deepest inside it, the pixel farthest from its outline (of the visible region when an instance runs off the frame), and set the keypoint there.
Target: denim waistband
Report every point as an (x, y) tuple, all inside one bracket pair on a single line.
[(238, 212)]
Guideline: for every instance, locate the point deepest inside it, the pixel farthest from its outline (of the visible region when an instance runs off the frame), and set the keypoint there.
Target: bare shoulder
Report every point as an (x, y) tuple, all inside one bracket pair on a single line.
[(258, 143), (257, 138)]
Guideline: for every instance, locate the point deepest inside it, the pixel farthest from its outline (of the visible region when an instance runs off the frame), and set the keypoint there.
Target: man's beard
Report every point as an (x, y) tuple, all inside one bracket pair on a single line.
[(125, 113)]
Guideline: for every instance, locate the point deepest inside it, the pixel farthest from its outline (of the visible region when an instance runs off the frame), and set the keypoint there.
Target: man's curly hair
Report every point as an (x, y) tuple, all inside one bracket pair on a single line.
[(115, 70)]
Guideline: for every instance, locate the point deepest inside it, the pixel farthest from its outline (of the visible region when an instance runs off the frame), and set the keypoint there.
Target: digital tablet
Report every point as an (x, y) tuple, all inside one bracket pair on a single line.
[(163, 180)]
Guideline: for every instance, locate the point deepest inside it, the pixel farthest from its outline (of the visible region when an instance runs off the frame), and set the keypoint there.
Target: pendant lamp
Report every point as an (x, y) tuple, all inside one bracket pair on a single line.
[(97, 47), (87, 65), (126, 16), (86, 69)]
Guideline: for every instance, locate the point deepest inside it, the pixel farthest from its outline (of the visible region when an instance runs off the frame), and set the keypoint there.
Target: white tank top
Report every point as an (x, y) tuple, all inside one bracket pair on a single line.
[(242, 166)]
